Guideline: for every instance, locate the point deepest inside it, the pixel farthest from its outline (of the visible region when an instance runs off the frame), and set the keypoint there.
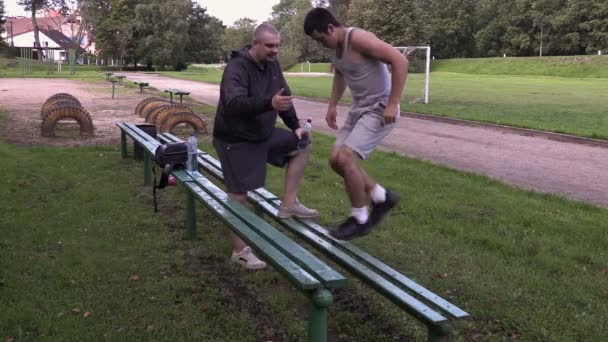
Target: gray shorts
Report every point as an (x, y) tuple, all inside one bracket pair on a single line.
[(362, 131), (244, 163)]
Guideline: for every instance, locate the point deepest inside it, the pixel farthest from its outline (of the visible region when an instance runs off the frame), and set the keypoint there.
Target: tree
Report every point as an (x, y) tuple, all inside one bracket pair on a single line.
[(112, 25), (2, 21), (238, 35), (205, 36), (399, 22), (35, 5), (282, 13)]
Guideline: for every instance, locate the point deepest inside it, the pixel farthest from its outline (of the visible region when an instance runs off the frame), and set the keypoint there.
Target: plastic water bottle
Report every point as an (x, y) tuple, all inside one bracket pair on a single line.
[(306, 134), (192, 165)]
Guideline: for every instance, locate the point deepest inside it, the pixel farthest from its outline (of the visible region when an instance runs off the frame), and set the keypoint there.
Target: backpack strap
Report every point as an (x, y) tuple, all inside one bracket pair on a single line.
[(164, 179)]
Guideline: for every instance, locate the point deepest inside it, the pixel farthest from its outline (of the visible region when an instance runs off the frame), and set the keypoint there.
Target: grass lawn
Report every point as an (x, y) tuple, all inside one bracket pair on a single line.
[(569, 105), (84, 257)]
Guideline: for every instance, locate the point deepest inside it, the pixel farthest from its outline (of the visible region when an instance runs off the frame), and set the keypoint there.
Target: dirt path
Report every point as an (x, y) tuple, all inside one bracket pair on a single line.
[(23, 99), (522, 159)]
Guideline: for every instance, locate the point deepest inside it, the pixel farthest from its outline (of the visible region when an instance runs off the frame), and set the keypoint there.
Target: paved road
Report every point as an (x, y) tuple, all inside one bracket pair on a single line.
[(522, 159)]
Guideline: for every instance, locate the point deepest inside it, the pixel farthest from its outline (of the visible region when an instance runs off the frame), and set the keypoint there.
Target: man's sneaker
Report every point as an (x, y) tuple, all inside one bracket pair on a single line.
[(298, 210), (349, 229), (247, 259), (379, 210)]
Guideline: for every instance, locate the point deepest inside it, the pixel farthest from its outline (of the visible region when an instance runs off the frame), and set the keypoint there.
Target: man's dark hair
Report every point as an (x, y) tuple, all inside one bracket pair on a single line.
[(318, 19)]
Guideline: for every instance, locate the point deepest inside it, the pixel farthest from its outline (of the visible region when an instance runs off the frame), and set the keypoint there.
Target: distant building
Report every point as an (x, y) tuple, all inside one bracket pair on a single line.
[(54, 29)]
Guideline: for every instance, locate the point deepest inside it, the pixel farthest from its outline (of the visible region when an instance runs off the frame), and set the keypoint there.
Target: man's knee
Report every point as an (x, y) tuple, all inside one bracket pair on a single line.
[(341, 158)]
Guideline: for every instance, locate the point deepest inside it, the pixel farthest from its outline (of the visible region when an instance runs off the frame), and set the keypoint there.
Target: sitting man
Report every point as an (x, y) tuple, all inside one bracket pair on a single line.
[(253, 92)]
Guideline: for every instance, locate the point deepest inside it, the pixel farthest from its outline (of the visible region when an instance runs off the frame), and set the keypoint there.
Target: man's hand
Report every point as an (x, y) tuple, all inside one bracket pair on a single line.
[(302, 134), (331, 116), (281, 103), (390, 114)]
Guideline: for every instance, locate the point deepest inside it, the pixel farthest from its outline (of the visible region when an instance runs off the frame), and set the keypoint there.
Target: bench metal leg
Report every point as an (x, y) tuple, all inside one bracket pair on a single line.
[(440, 333), (317, 322), (190, 216), (180, 99), (170, 97), (123, 144), (147, 169)]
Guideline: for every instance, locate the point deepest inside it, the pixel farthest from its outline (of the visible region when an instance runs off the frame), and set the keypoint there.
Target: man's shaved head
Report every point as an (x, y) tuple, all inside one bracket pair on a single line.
[(265, 28), (266, 42)]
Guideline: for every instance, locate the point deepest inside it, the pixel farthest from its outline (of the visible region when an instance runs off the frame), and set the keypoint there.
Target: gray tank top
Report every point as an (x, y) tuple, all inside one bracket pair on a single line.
[(368, 80)]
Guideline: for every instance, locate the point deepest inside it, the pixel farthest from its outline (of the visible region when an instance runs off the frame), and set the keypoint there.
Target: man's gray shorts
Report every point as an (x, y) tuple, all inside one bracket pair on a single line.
[(244, 163), (362, 130)]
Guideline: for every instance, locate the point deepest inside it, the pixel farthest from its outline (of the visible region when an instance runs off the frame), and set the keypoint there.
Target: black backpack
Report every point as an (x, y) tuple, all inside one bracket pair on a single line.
[(169, 156)]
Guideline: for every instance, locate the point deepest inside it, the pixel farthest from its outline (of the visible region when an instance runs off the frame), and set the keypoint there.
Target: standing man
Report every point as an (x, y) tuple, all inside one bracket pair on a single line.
[(360, 62), (253, 92)]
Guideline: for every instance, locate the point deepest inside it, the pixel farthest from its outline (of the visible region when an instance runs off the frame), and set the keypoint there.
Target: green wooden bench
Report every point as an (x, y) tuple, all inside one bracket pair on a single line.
[(141, 85), (305, 271), (181, 93), (435, 312)]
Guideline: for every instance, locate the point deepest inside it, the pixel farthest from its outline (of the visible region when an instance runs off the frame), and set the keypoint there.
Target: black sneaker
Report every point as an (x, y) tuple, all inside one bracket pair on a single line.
[(379, 210), (349, 229)]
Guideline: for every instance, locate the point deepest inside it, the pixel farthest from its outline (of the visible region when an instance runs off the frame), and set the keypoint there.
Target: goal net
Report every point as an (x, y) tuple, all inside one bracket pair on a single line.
[(419, 71)]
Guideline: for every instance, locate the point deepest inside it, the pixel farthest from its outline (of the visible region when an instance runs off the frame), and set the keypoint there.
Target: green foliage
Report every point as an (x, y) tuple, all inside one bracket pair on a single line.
[(238, 35), (399, 22), (2, 21), (479, 28)]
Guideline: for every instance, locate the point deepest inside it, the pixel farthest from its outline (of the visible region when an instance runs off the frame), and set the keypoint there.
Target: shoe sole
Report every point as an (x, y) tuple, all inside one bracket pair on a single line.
[(297, 216)]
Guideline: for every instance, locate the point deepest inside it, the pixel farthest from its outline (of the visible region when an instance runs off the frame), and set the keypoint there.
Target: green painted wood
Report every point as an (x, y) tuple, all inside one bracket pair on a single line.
[(317, 321), (395, 294), (329, 277), (370, 261), (144, 139), (147, 169), (123, 144), (349, 250), (190, 216), (292, 271)]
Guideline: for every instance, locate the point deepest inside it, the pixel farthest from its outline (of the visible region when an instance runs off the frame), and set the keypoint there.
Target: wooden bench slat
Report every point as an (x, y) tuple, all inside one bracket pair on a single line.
[(401, 298), (316, 233), (371, 261), (294, 272), (303, 257)]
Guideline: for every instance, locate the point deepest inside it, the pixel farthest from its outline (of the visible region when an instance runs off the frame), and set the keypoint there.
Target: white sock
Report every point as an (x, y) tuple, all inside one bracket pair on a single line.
[(378, 194), (360, 214)]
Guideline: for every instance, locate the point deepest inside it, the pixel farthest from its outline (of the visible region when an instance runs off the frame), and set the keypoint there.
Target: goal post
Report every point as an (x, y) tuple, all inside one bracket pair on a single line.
[(417, 86)]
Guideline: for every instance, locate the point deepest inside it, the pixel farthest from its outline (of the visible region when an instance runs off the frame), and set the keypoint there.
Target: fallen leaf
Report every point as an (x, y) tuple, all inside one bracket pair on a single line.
[(604, 271), (10, 339), (442, 276), (76, 310), (86, 314), (134, 277)]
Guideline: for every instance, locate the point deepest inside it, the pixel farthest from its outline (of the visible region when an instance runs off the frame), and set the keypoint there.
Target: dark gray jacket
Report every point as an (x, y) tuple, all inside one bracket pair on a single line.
[(244, 111)]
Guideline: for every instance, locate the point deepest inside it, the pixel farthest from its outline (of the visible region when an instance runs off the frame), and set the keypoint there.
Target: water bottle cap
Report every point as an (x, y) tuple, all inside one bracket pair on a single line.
[(192, 134), (309, 119)]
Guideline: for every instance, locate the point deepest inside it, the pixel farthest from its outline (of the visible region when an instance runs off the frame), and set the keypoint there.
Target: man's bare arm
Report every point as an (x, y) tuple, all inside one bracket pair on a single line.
[(367, 44), (337, 88)]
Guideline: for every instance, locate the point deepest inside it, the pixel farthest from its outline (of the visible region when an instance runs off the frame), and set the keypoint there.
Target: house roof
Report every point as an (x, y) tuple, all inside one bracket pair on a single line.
[(58, 37), (24, 24)]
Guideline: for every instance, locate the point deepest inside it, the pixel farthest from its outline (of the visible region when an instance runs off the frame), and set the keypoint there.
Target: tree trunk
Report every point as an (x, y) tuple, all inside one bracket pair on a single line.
[(36, 33)]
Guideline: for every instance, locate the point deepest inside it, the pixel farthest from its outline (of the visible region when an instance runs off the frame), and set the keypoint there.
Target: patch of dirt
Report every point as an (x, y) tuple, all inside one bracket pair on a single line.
[(22, 99)]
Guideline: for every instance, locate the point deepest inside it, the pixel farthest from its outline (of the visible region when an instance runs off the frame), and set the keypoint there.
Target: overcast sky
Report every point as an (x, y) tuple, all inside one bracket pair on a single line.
[(226, 10)]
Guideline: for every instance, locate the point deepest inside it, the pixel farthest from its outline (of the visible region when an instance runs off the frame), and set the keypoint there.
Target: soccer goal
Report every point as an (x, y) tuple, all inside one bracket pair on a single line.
[(417, 85)]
